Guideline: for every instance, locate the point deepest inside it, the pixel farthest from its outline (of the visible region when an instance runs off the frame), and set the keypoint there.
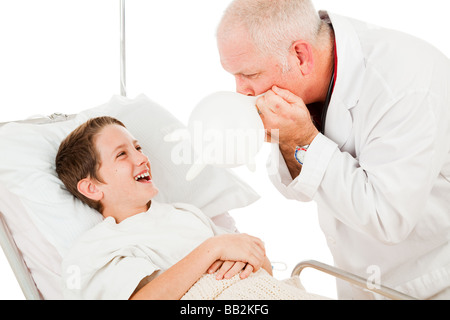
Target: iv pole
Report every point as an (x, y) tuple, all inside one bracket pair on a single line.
[(123, 90)]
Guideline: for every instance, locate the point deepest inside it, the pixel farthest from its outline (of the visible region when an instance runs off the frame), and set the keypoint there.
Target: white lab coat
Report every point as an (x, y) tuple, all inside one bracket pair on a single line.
[(381, 173)]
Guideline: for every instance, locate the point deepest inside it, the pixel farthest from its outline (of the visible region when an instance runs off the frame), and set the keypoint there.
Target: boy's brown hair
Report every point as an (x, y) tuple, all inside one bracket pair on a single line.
[(77, 157)]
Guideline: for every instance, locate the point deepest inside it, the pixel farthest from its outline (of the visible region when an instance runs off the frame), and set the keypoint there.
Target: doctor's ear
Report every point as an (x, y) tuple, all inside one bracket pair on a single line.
[(89, 189), (303, 52)]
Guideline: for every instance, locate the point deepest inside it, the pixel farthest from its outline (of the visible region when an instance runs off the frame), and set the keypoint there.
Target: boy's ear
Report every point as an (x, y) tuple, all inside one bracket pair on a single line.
[(89, 189)]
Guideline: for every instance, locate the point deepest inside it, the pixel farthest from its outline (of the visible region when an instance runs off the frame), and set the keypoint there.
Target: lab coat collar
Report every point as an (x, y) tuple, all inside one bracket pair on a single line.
[(349, 81)]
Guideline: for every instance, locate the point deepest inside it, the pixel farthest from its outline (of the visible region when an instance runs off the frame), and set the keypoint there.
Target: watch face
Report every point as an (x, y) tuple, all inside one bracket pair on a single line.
[(300, 153)]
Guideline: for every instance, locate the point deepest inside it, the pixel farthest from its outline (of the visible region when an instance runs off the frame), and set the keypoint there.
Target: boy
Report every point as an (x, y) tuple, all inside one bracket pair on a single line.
[(142, 249)]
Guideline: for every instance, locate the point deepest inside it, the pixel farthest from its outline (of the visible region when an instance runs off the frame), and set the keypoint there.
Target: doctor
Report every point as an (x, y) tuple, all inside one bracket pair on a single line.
[(363, 115)]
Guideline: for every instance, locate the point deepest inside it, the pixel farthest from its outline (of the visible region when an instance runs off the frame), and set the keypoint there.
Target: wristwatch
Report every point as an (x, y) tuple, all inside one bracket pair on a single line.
[(300, 153)]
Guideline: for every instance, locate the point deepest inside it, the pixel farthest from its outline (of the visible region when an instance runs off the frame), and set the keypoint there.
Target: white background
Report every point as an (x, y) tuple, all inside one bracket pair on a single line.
[(63, 56)]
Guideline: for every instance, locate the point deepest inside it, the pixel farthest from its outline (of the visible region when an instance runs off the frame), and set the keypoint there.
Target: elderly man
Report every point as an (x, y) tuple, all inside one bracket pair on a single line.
[(363, 119)]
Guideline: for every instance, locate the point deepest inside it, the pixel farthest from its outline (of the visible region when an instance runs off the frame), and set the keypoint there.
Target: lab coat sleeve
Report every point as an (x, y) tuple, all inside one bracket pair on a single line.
[(305, 186), (381, 191)]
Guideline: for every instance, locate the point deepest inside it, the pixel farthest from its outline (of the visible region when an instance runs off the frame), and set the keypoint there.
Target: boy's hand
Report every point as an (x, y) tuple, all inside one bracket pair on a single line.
[(236, 252), (227, 269)]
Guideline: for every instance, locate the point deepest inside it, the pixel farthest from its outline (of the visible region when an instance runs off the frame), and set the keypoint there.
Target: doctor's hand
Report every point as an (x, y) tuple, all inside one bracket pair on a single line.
[(286, 118)]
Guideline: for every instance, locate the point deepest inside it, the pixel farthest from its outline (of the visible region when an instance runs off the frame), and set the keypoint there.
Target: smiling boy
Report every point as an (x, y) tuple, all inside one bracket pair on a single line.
[(142, 249)]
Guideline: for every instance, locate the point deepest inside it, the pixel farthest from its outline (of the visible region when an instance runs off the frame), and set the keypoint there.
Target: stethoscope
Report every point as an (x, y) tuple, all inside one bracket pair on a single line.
[(327, 102)]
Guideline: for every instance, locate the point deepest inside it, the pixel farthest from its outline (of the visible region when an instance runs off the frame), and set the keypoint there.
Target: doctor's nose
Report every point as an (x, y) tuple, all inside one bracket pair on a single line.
[(243, 87)]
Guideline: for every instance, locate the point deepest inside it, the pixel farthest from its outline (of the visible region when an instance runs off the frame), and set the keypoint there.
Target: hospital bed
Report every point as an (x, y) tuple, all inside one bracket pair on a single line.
[(39, 220)]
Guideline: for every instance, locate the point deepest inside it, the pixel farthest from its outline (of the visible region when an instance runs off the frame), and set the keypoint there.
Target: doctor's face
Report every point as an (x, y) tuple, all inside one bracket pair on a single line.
[(254, 72), (124, 169)]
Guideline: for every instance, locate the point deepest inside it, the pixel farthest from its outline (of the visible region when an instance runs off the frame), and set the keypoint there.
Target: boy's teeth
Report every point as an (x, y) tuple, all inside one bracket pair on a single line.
[(146, 174)]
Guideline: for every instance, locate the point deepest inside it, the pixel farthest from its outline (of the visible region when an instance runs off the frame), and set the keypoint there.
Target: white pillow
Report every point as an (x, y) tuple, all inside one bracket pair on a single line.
[(56, 218)]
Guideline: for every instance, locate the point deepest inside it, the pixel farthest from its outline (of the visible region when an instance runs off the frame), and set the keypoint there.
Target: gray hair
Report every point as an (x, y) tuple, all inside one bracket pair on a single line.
[(273, 25)]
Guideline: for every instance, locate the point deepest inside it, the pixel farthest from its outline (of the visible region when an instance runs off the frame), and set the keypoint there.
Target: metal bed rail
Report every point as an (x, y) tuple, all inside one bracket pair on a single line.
[(351, 278), (17, 263), (55, 117)]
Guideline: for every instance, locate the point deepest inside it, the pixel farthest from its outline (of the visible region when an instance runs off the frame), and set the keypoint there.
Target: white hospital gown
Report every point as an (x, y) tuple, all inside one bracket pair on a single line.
[(110, 260)]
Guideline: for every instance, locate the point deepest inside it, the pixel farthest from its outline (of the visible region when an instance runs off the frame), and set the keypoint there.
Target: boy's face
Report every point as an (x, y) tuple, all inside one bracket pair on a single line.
[(125, 171)]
